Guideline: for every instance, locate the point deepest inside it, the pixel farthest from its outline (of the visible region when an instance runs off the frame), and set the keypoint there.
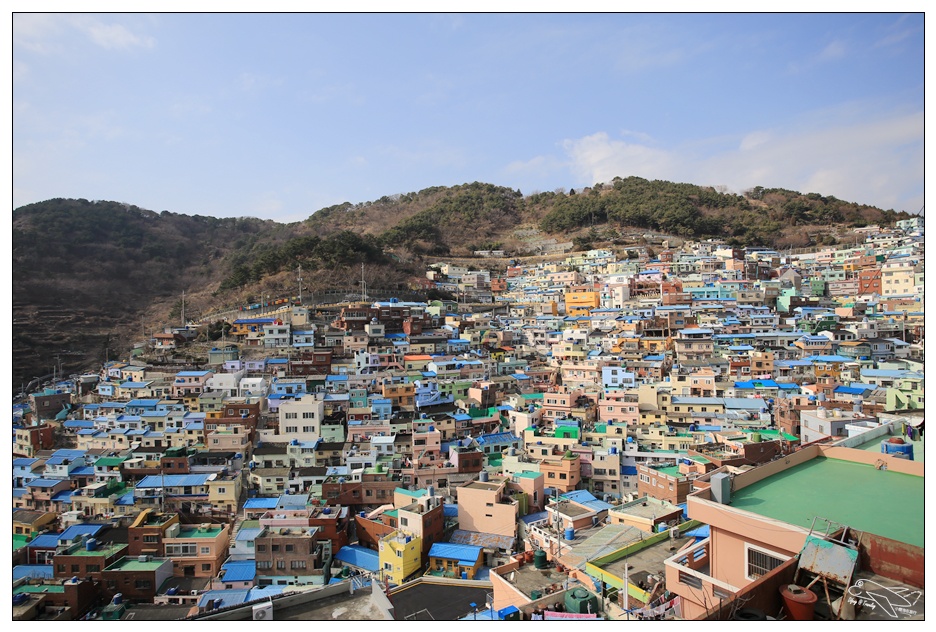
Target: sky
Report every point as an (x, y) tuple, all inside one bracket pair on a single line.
[(278, 115)]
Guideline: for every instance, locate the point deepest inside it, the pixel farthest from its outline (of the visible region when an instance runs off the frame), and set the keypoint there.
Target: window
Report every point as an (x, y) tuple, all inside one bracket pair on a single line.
[(297, 564), (275, 547), (222, 490), (292, 428), (761, 562), (262, 566), (206, 567), (261, 548), (289, 548), (292, 415), (152, 539), (308, 429), (281, 565), (144, 584), (205, 550), (308, 415)]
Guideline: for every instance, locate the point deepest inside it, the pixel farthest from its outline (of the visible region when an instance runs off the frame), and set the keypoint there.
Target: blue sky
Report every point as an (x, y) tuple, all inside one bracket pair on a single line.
[(279, 115)]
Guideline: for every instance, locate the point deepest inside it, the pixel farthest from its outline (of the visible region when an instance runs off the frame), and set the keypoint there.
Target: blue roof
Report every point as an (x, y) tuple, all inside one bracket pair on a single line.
[(534, 517), (497, 437), (19, 492), (584, 497), (629, 470), (261, 503), (359, 556), (33, 571), (78, 423), (23, 462), (43, 482), (248, 534), (126, 500), (62, 497), (75, 532), (239, 570), (464, 553), (45, 541), (172, 480), (223, 598), (450, 511), (86, 470)]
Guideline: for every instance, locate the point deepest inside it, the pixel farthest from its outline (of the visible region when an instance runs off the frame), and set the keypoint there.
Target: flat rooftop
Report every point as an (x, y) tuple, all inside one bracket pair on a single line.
[(342, 607), (486, 486), (882, 502), (427, 601), (210, 532), (528, 578)]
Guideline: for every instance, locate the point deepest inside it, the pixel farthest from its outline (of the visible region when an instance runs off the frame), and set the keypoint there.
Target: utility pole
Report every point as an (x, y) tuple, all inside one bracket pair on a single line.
[(300, 284), (183, 308)]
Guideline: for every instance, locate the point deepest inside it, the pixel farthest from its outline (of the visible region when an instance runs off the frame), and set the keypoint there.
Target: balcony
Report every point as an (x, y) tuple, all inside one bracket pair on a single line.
[(687, 573)]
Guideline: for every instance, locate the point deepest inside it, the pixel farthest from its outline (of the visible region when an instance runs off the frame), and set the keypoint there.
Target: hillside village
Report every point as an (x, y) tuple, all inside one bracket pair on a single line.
[(672, 435)]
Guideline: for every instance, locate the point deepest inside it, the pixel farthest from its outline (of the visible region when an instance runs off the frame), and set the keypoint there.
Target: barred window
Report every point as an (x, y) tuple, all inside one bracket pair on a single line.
[(760, 562)]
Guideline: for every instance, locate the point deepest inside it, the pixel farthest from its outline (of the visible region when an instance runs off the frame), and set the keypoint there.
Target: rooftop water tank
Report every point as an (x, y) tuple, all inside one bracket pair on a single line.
[(755, 437), (580, 601), (902, 449), (483, 476), (539, 559), (90, 544), (569, 533)]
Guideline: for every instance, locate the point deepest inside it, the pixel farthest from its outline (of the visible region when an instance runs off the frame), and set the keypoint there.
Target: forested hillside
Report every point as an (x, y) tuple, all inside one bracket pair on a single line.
[(90, 277)]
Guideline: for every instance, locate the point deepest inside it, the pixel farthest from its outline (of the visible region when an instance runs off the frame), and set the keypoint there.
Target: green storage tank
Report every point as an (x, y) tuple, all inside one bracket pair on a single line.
[(539, 559), (581, 601)]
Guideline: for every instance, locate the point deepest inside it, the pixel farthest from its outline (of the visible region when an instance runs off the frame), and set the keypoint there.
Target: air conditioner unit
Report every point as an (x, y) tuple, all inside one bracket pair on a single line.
[(263, 611)]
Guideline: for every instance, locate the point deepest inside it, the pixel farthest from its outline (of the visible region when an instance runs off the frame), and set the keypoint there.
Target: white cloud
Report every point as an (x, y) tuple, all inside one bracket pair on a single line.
[(597, 158), (754, 139), (44, 33), (835, 50), (878, 162), (117, 36)]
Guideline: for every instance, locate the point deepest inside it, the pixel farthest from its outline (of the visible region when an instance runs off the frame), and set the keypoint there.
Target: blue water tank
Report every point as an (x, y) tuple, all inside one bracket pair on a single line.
[(613, 450), (464, 575), (20, 598), (90, 544), (431, 428), (898, 449), (363, 514), (569, 533), (326, 510), (118, 599)]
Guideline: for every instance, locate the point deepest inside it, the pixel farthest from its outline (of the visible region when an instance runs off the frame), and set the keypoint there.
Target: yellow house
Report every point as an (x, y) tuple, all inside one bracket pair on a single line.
[(400, 556), (581, 303)]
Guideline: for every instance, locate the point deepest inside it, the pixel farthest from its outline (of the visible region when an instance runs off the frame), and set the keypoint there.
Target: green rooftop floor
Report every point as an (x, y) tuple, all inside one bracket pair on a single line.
[(885, 503)]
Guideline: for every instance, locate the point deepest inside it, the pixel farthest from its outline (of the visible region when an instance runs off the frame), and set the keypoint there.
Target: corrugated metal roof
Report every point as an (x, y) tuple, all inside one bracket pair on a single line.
[(45, 541), (484, 540), (248, 534), (359, 556), (239, 570), (75, 532), (173, 480), (464, 553)]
